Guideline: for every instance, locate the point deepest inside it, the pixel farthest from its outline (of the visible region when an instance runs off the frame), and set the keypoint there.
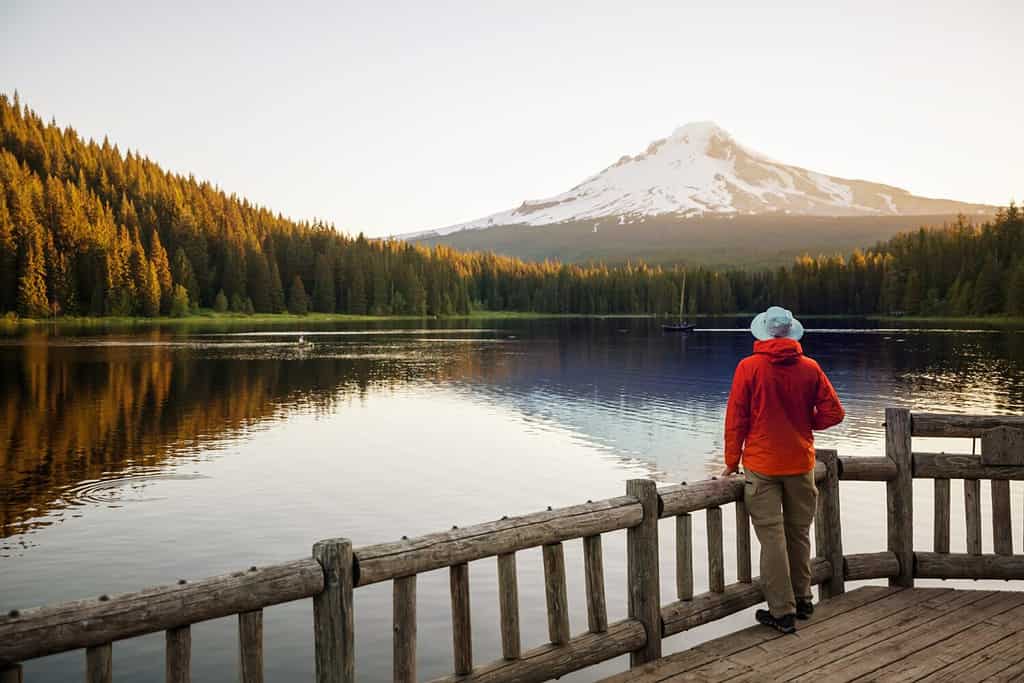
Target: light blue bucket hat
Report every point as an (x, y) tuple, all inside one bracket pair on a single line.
[(776, 323)]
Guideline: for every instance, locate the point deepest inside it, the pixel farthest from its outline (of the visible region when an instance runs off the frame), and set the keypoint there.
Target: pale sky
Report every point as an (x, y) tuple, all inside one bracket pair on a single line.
[(389, 117)]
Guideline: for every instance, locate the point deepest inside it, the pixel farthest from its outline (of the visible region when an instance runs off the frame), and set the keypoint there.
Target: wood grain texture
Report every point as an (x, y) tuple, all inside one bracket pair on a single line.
[(969, 566), (462, 633), (556, 593), (333, 618), (551, 661), (942, 512), (861, 566), (178, 655), (961, 466), (684, 557), (899, 494), (84, 623), (642, 570), (413, 556), (250, 647), (404, 620), (508, 605), (99, 666), (972, 516), (1002, 446), (716, 558), (743, 570), (866, 469), (1002, 523), (593, 569), (937, 424), (830, 525)]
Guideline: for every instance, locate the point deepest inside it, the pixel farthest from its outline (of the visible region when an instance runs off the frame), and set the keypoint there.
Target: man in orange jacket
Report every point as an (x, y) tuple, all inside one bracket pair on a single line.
[(778, 397)]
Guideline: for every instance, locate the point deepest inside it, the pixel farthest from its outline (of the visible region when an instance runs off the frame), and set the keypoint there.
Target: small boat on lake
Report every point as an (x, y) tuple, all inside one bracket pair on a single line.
[(681, 325)]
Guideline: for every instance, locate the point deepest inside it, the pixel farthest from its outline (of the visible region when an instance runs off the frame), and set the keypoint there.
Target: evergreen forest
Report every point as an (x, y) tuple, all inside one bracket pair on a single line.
[(89, 230)]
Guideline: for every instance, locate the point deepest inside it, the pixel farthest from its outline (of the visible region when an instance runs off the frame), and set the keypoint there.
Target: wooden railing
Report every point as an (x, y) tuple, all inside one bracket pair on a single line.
[(335, 570)]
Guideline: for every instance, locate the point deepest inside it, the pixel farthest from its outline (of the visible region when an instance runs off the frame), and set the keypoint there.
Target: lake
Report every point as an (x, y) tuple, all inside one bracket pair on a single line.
[(135, 458)]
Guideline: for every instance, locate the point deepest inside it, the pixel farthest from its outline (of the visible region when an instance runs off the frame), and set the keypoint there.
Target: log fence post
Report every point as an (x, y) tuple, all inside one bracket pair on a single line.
[(332, 613), (899, 495), (642, 571), (828, 525)]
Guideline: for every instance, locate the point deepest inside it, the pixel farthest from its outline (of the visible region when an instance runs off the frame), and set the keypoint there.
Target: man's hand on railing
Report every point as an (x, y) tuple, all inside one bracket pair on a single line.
[(728, 471)]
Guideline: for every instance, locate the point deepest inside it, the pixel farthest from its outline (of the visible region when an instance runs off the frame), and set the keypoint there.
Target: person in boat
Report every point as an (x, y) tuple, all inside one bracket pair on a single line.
[(778, 398)]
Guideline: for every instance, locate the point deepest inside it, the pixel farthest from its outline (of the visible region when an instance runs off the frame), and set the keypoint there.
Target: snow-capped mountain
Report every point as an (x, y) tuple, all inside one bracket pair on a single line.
[(700, 170)]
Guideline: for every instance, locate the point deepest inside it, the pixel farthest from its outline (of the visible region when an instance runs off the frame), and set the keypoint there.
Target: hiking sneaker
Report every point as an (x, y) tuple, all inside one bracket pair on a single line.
[(784, 624), (804, 608)]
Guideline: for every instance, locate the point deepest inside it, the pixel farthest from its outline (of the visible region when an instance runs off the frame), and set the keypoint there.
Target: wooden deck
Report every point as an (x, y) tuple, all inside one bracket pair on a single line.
[(873, 633)]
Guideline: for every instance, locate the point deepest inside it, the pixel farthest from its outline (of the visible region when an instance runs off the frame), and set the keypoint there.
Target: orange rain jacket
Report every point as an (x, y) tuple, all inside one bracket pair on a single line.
[(778, 396)]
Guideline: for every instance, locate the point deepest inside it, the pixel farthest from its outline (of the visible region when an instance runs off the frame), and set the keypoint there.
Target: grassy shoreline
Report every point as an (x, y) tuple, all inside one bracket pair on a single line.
[(206, 317)]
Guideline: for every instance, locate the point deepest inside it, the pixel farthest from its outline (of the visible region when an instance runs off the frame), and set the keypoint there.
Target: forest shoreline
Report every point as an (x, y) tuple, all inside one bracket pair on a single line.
[(210, 317)]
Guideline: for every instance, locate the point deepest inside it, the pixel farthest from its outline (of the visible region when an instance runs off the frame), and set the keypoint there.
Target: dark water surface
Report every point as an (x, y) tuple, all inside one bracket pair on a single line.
[(130, 459)]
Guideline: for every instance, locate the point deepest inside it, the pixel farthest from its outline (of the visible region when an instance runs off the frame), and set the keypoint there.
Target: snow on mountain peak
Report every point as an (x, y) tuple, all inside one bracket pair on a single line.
[(700, 169)]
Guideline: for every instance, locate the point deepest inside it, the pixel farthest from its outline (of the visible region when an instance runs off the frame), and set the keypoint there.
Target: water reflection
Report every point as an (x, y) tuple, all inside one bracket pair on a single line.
[(90, 420)]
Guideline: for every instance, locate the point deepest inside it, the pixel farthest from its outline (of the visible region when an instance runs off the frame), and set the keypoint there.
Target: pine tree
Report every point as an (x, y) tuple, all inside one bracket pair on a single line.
[(323, 285), (1015, 290), (988, 295), (151, 292), (184, 275), (220, 302), (32, 301), (298, 302), (179, 302), (158, 255), (357, 292)]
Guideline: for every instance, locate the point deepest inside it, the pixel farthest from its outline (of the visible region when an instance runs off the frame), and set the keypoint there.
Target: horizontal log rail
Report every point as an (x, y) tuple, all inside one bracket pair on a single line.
[(31, 633), (961, 466), (385, 561), (938, 424), (862, 566), (968, 566)]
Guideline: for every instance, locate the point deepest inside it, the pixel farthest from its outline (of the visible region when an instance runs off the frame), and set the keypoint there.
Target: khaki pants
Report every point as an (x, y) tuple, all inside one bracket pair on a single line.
[(782, 509)]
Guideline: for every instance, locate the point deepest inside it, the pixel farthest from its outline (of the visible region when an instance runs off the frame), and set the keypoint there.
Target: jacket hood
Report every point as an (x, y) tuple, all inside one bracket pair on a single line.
[(781, 350)]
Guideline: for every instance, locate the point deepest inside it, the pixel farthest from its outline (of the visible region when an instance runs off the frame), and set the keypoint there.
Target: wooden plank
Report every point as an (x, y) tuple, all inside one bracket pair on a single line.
[(333, 627), (99, 664), (30, 633), (969, 566), (551, 661), (683, 498), (555, 593), (1002, 658), (706, 607), (462, 635), (642, 570), (913, 637), (404, 616), (916, 665), (937, 424), (866, 469), (864, 629), (178, 655), (386, 561), (508, 604), (716, 559), (1002, 524), (862, 566), (972, 516), (942, 509), (684, 557), (961, 466), (743, 571), (900, 495), (593, 569), (710, 651), (250, 647)]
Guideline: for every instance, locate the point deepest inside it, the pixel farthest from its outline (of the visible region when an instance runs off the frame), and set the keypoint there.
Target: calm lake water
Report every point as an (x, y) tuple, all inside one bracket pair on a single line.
[(130, 459)]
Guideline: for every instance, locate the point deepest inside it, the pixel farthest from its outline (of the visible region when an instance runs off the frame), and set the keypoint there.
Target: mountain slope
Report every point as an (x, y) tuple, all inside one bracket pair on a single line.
[(697, 173)]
